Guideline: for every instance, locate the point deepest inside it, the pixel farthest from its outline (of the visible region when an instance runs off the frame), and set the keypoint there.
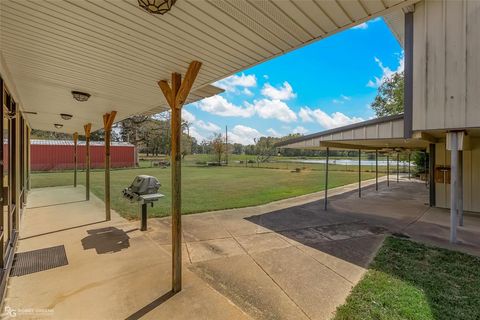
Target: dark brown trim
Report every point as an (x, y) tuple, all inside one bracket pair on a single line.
[(408, 92), (431, 174), (340, 129)]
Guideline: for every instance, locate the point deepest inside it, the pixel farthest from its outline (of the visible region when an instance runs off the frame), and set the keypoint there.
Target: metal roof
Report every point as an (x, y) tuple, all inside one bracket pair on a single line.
[(80, 143), (385, 133), (341, 129), (117, 52)]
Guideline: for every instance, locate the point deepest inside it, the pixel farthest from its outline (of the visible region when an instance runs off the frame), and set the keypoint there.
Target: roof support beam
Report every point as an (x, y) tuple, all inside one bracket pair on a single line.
[(424, 136), (108, 119), (176, 94), (345, 146), (75, 141), (87, 128)]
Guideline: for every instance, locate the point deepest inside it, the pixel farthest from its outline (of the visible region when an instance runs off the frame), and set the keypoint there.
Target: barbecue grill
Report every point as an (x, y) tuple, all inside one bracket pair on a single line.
[(143, 190)]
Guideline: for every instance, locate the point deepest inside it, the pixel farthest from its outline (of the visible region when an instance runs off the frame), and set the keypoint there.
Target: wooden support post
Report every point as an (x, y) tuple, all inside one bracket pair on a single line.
[(376, 170), (388, 170), (88, 128), (176, 93), (108, 119), (359, 173), (325, 200), (75, 141)]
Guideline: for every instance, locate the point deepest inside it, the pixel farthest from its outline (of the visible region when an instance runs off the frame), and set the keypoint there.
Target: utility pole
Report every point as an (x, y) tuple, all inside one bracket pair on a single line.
[(226, 145)]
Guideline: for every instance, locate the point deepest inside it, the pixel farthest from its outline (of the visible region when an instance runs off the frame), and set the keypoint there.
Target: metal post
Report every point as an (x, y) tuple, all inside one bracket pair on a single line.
[(359, 173), (453, 186), (143, 226), (431, 175), (425, 168), (325, 200), (460, 188), (376, 170), (226, 145), (409, 172), (388, 170), (398, 167)]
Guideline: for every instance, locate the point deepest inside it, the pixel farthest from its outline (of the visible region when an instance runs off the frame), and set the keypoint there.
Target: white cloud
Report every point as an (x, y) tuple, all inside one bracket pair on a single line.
[(284, 92), (243, 134), (187, 116), (300, 129), (207, 126), (231, 83), (336, 119), (197, 135), (248, 92), (220, 106), (273, 109), (364, 25), (342, 99), (361, 26), (274, 133), (386, 73)]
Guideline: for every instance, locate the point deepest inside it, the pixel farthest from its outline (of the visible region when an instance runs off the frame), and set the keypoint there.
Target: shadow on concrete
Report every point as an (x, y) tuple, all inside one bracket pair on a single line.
[(106, 240), (149, 307), (351, 228), (64, 229), (56, 204), (348, 229)]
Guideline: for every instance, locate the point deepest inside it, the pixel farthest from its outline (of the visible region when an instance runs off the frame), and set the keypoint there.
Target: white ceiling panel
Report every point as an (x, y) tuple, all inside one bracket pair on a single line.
[(117, 52)]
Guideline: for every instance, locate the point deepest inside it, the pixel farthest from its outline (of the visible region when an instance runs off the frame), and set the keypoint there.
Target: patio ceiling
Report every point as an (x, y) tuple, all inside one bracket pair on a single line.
[(115, 51)]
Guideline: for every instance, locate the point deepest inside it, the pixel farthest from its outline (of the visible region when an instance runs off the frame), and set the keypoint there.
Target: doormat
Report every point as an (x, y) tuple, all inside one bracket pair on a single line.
[(38, 260)]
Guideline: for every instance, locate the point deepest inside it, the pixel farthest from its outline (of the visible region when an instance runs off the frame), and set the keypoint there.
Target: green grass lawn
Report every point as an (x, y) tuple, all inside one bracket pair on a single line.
[(206, 188), (408, 280)]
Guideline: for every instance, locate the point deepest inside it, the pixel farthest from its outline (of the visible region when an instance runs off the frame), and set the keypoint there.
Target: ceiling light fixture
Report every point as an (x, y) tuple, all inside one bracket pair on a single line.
[(58, 125), (157, 6), (80, 96), (66, 116)]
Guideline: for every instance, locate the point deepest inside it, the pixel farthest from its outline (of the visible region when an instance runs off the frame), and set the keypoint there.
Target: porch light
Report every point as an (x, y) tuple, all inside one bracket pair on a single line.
[(156, 6), (80, 96), (58, 125), (66, 116)]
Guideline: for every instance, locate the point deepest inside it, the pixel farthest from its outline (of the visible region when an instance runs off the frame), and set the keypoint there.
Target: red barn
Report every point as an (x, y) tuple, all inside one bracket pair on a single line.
[(49, 155)]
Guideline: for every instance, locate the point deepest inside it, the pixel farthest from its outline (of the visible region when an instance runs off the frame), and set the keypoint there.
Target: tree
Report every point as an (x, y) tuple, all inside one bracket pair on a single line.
[(389, 99), (218, 146), (133, 131), (265, 148)]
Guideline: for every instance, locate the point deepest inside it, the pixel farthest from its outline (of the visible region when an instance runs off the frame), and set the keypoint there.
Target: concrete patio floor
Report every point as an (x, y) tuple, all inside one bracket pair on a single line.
[(284, 260)]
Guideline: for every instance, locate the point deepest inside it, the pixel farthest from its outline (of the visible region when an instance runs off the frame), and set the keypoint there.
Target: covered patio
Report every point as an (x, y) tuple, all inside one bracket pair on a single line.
[(287, 259)]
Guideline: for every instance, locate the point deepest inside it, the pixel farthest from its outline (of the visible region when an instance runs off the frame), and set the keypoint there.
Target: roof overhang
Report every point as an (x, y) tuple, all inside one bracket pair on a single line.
[(117, 52), (384, 133)]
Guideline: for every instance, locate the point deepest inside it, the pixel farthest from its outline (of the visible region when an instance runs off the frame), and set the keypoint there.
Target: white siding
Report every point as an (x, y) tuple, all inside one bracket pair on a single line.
[(446, 65), (471, 176)]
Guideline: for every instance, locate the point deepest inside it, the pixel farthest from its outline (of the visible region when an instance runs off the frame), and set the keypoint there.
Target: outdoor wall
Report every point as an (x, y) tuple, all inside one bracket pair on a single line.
[(446, 64), (471, 176), (47, 157)]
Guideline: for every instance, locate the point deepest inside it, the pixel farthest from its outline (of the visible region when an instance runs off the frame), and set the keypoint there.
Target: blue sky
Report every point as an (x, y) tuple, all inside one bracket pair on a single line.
[(326, 84)]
